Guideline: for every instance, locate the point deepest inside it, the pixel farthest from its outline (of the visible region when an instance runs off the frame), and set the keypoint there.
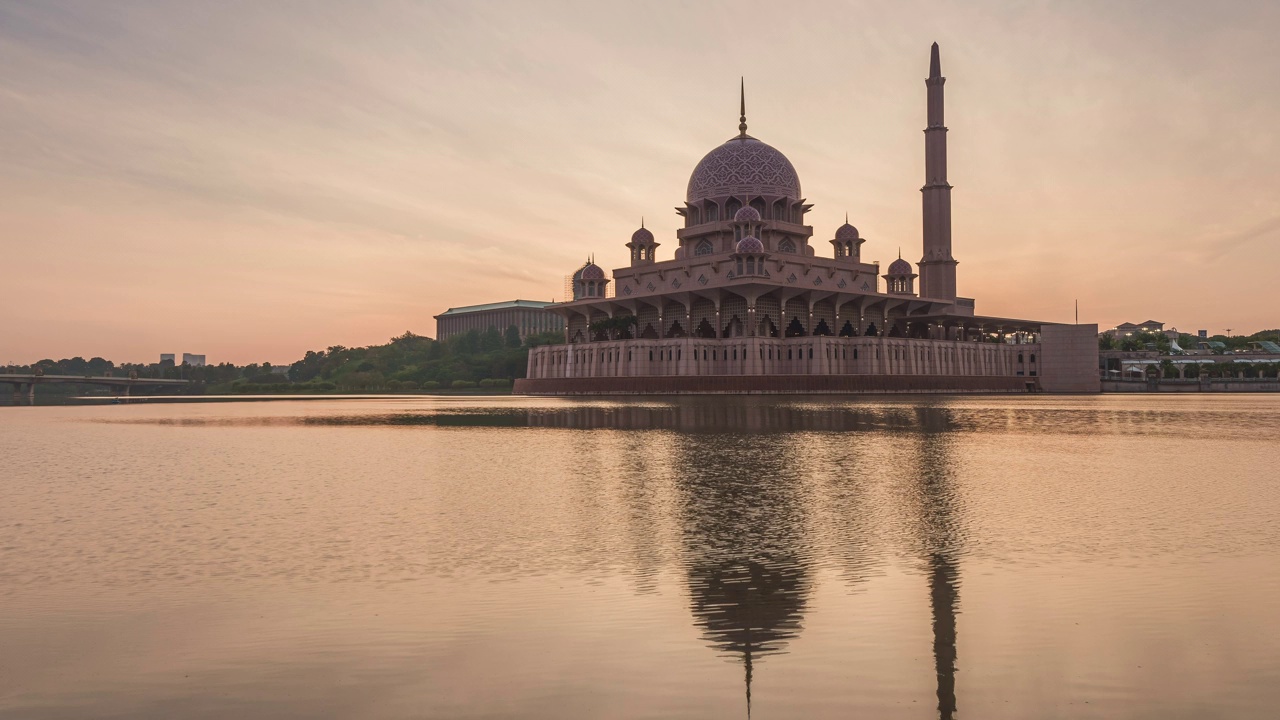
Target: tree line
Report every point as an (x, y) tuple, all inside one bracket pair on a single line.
[(475, 359)]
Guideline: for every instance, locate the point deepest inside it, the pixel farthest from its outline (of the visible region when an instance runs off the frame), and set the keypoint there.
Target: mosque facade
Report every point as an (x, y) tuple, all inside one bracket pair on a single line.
[(748, 305)]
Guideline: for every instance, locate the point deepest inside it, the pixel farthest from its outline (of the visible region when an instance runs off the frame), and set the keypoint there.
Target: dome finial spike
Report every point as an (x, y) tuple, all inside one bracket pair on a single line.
[(935, 63), (846, 218), (642, 221), (742, 107)]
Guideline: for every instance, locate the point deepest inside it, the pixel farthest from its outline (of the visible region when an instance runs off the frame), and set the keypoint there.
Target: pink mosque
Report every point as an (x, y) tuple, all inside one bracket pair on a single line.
[(746, 305)]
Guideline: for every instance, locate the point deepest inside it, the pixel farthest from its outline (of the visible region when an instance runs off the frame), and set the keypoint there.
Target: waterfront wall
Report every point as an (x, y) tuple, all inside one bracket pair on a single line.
[(772, 385), (1216, 385), (799, 356)]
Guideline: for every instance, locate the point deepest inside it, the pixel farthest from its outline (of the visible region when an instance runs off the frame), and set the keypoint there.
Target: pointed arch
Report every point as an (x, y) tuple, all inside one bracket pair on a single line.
[(848, 330), (705, 330), (822, 329), (794, 328), (732, 207), (779, 211), (786, 245), (704, 247)]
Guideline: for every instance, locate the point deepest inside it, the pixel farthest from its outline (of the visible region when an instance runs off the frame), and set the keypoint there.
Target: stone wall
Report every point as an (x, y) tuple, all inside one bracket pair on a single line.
[(772, 385), (1069, 359)]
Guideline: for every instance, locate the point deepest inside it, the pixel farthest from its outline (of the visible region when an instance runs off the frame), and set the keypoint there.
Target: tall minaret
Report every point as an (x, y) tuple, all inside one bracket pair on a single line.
[(937, 267)]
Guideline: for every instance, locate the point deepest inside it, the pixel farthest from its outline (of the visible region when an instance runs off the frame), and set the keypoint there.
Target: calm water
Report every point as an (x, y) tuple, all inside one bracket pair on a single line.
[(1026, 557)]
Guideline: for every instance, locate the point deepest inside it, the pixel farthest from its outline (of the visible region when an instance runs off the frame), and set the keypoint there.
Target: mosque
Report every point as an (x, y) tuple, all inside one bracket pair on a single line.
[(747, 305)]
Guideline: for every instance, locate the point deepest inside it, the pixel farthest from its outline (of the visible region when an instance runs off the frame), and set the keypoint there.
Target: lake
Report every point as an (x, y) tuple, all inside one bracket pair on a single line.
[(802, 557)]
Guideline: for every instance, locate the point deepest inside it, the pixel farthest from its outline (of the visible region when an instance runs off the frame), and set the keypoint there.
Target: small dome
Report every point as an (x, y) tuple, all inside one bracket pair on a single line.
[(846, 232), (900, 267), (590, 271), (749, 244), (641, 236), (746, 214)]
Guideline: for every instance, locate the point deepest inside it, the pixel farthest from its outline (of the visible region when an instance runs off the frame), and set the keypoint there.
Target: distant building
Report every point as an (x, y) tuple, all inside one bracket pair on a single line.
[(192, 360), (529, 316), (1124, 330), (1202, 334), (167, 358)]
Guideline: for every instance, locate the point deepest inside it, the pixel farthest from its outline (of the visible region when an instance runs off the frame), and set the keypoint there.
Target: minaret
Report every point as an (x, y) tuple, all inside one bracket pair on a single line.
[(937, 267)]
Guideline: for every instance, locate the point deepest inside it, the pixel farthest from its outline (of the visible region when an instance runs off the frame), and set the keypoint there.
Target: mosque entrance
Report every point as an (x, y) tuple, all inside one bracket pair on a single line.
[(705, 330), (649, 333), (676, 331), (822, 329), (847, 330), (794, 328), (766, 328), (733, 328)]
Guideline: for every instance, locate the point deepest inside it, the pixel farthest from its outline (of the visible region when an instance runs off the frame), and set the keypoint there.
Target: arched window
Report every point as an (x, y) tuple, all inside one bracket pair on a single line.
[(751, 265), (731, 208), (786, 246), (758, 204), (739, 266), (1033, 357), (713, 211), (704, 248)]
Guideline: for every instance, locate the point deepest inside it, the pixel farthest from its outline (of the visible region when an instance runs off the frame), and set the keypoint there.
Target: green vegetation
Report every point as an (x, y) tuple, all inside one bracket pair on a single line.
[(473, 362), (1145, 341), (489, 361)]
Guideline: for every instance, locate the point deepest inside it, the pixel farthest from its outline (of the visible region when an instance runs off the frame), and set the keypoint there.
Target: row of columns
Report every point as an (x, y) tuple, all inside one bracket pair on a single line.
[(772, 356), (527, 320)]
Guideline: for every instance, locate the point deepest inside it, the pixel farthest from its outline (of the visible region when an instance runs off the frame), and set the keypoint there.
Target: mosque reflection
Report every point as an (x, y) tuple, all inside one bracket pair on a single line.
[(746, 552), (744, 546), (740, 466)]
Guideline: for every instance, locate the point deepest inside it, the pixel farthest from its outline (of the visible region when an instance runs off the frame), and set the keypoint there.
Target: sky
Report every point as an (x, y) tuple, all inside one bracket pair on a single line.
[(253, 180)]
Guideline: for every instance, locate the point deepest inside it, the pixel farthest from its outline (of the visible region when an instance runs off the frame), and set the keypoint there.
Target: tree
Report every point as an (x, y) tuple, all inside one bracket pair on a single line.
[(512, 337)]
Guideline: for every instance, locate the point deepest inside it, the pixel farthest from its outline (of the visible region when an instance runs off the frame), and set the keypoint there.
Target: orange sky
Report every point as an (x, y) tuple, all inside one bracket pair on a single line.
[(252, 180)]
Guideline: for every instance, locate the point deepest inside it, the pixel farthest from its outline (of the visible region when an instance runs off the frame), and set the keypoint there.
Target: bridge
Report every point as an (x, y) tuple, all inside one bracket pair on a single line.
[(24, 385)]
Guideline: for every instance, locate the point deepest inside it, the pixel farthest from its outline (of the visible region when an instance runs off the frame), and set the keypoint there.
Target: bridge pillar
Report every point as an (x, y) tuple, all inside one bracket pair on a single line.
[(24, 389)]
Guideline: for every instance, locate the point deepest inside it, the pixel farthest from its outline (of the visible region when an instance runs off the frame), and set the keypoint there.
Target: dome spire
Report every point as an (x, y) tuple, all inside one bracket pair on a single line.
[(742, 107)]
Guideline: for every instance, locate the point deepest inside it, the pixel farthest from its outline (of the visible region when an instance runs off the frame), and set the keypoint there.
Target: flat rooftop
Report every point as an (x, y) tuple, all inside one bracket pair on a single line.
[(508, 305)]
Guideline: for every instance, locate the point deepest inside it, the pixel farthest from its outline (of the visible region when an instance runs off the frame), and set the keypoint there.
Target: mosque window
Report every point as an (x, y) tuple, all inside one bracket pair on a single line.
[(739, 266), (713, 212), (786, 246), (704, 248), (731, 208)]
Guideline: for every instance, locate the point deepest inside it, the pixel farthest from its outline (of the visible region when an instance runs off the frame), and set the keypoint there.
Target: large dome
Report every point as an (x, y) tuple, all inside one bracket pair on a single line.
[(743, 166)]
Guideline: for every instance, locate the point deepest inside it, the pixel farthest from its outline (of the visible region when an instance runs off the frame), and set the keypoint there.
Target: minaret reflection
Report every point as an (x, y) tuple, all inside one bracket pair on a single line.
[(744, 545), (941, 537)]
